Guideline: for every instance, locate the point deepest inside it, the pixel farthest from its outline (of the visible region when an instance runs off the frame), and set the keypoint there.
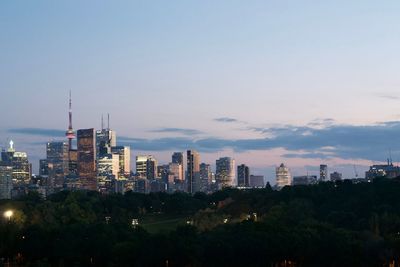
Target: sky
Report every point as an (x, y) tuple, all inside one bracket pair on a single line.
[(300, 82)]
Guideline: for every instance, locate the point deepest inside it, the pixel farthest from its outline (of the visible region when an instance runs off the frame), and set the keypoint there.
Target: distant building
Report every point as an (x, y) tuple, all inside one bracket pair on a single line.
[(305, 180), (43, 168), (57, 163), (22, 169), (142, 185), (6, 185), (124, 153), (225, 172), (283, 177), (323, 172), (193, 171), (177, 158), (151, 169), (87, 159), (107, 172), (336, 176), (256, 181), (141, 165), (205, 177), (385, 170), (175, 169), (243, 176), (105, 140), (163, 172)]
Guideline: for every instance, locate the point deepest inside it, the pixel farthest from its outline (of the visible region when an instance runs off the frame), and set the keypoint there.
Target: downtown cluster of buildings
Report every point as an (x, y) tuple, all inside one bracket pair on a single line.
[(98, 163)]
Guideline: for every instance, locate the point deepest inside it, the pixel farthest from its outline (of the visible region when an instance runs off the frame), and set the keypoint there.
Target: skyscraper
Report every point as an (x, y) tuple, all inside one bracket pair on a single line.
[(205, 177), (323, 172), (107, 172), (193, 171), (151, 168), (105, 140), (243, 174), (22, 169), (124, 153), (141, 165), (225, 172), (87, 159), (57, 163), (177, 157), (6, 182), (283, 177)]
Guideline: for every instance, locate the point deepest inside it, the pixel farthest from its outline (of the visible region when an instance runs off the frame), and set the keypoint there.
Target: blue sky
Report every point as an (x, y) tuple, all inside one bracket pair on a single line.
[(301, 82)]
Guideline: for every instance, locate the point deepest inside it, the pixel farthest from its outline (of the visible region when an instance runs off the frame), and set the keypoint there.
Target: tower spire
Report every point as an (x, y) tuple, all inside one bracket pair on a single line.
[(108, 121), (70, 134), (102, 122)]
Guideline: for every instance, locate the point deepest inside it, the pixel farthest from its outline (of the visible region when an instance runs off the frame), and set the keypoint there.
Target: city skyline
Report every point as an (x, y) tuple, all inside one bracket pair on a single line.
[(264, 83)]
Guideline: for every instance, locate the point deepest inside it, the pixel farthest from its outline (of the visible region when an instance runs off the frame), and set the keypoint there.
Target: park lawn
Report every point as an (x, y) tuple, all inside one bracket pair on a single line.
[(161, 223)]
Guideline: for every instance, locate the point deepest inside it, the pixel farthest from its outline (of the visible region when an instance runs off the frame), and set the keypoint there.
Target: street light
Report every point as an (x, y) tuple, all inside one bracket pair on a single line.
[(8, 214)]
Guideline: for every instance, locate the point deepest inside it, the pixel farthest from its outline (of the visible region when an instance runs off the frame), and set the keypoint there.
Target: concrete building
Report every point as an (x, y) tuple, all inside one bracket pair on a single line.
[(141, 165), (283, 176), (151, 169), (305, 180), (256, 181), (107, 172), (205, 177), (336, 176), (323, 172), (225, 172)]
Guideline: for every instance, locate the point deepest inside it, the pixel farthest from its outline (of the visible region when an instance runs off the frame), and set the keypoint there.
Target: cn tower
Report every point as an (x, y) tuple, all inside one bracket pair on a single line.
[(70, 134)]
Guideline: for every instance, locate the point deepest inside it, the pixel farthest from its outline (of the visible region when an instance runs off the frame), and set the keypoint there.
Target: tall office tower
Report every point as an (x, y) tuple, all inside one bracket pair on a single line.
[(87, 159), (205, 177), (43, 168), (193, 171), (105, 140), (283, 177), (177, 157), (22, 169), (151, 168), (107, 172), (57, 162), (163, 172), (175, 169), (141, 165), (124, 153), (323, 172), (225, 172), (243, 176), (6, 185)]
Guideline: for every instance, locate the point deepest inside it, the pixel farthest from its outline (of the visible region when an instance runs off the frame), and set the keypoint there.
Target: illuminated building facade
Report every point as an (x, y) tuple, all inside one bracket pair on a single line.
[(283, 176), (225, 172), (87, 159)]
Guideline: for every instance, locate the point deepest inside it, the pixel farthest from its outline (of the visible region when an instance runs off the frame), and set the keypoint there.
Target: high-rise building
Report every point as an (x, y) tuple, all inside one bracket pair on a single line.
[(323, 172), (243, 176), (336, 176), (22, 169), (256, 181), (193, 171), (141, 165), (177, 157), (305, 180), (151, 168), (107, 172), (43, 168), (72, 153), (124, 153), (57, 162), (283, 177), (105, 140), (87, 159), (6, 185), (205, 177), (176, 170), (225, 172)]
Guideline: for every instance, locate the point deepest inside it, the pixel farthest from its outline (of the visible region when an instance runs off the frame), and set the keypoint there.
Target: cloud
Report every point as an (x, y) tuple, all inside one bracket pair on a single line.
[(226, 119), (370, 142), (177, 130), (38, 131), (388, 96)]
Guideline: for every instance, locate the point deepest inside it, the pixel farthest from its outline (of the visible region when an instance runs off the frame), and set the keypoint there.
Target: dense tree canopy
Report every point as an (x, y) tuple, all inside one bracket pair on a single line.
[(328, 224)]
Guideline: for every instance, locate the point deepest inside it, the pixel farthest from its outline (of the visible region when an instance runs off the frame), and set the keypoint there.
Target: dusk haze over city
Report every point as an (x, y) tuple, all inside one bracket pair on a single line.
[(200, 133)]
